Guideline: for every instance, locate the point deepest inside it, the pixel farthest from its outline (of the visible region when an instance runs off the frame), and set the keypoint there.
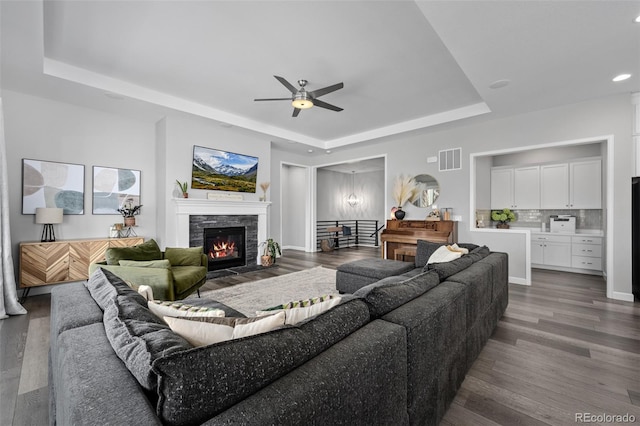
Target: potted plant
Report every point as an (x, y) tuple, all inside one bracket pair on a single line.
[(183, 187), (128, 211), (503, 217), (271, 250), (405, 189)]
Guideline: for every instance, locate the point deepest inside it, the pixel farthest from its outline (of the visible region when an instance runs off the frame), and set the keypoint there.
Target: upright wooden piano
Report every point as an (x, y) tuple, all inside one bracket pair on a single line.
[(400, 238)]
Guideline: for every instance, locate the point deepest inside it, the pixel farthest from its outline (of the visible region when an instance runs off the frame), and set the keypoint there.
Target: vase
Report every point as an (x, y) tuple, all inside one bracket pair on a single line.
[(502, 226), (399, 214), (185, 195), (266, 261), (130, 221)]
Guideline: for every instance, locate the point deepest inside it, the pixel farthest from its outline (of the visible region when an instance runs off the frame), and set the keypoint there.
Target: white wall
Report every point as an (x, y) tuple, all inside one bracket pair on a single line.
[(43, 129), (408, 153), (294, 214), (333, 188)]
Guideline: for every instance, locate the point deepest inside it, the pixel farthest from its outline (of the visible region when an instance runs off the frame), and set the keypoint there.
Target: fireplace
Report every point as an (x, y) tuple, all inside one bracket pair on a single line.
[(225, 247)]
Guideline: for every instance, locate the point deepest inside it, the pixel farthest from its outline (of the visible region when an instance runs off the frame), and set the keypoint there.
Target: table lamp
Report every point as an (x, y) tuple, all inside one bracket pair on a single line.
[(48, 216)]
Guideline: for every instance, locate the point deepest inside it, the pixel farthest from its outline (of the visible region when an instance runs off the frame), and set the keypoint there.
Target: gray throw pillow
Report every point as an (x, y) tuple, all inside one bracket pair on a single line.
[(446, 269), (389, 293), (424, 250), (104, 287), (139, 338), (478, 253)]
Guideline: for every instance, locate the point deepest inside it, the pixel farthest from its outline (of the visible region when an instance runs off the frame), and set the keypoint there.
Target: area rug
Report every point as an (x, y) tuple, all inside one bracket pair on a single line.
[(257, 295)]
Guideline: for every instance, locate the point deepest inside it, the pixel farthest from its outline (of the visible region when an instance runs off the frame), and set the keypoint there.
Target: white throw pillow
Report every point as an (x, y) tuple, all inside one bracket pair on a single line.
[(443, 254), (182, 310), (295, 315), (207, 331), (146, 292)]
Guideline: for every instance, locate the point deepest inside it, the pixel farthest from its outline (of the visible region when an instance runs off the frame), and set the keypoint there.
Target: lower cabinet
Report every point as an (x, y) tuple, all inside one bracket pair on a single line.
[(587, 253), (566, 252), (551, 250)]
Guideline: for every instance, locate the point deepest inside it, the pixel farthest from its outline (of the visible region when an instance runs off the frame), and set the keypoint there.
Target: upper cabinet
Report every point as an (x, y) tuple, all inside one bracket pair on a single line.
[(574, 185), (585, 184), (515, 188), (561, 186)]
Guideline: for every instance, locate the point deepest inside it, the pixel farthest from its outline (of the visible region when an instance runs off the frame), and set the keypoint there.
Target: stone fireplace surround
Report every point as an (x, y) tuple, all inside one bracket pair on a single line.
[(234, 213)]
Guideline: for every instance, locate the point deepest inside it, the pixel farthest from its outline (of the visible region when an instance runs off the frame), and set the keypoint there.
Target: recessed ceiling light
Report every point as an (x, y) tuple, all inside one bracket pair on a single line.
[(309, 151), (621, 77), (498, 84), (637, 20), (328, 151)]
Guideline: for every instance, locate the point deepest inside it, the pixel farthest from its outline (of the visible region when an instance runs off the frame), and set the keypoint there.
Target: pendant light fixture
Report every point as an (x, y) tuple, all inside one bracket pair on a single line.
[(353, 199)]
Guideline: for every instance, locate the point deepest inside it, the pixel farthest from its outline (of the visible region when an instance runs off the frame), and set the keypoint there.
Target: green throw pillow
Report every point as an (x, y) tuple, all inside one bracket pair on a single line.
[(161, 264), (148, 250), (184, 256)]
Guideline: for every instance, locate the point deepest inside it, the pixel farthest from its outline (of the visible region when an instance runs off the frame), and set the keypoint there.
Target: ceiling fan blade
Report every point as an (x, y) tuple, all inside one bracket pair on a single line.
[(319, 103), (286, 84), (273, 99), (326, 90), (296, 111)]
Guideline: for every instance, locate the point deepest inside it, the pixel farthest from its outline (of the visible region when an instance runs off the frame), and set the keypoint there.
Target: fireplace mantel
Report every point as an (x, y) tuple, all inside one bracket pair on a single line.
[(185, 207)]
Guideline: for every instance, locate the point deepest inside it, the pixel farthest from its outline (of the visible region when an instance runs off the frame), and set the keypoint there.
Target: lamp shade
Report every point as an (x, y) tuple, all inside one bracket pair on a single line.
[(46, 215)]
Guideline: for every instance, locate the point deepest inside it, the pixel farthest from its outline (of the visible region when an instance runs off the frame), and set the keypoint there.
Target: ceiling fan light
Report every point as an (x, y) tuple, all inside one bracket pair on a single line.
[(302, 103)]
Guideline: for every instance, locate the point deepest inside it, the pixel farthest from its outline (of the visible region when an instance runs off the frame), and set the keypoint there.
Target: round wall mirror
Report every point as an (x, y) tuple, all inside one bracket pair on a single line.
[(429, 190)]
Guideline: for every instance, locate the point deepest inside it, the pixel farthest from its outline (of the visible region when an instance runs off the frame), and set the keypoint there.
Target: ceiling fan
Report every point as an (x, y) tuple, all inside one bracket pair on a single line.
[(301, 99)]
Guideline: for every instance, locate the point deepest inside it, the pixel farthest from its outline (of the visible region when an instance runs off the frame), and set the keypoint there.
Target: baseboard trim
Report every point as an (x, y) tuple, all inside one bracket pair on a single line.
[(519, 281), (293, 248), (627, 297)]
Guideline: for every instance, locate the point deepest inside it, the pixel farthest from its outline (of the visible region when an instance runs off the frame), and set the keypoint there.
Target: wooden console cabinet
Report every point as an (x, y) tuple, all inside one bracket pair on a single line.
[(64, 261), (403, 235)]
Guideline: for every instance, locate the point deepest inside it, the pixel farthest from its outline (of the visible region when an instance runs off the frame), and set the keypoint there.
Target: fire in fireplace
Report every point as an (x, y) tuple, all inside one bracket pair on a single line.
[(225, 247)]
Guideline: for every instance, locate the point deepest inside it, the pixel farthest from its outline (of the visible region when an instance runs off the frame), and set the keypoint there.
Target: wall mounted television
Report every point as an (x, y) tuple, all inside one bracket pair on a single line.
[(219, 170)]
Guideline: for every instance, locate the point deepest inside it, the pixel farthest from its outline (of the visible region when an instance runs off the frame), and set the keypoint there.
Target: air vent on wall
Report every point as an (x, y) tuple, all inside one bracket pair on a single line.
[(450, 159)]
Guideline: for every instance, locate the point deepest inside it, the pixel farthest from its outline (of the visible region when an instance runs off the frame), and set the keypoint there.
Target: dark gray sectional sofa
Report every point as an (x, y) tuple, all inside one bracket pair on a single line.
[(393, 353)]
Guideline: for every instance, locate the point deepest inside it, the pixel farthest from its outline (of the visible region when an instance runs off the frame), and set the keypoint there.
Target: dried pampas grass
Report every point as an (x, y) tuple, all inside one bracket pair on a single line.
[(405, 189)]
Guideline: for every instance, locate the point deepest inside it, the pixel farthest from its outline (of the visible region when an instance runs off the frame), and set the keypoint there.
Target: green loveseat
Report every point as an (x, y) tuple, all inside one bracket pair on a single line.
[(172, 275)]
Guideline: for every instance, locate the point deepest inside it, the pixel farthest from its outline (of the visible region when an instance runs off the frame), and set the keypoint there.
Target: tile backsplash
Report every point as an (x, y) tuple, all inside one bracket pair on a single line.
[(585, 219)]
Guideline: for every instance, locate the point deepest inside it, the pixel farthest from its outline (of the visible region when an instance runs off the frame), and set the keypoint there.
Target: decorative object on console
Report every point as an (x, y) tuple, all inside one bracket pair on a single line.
[(434, 215), (113, 187), (63, 183), (128, 211), (503, 217), (264, 186), (223, 171), (183, 188), (405, 189), (48, 216), (271, 250)]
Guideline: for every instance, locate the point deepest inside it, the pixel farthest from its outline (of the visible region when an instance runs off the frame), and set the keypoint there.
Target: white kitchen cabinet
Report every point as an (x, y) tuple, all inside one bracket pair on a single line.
[(585, 184), (526, 188), (501, 188), (586, 252), (551, 250), (515, 188), (574, 185), (554, 186)]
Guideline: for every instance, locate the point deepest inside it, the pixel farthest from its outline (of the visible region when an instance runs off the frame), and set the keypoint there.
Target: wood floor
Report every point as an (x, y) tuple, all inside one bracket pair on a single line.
[(561, 349)]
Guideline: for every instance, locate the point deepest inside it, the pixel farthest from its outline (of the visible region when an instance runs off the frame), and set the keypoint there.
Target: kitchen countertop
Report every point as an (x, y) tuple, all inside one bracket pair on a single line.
[(592, 232)]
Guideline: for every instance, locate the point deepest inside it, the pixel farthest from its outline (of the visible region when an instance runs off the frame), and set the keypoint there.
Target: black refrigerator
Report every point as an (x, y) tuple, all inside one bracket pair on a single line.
[(635, 237)]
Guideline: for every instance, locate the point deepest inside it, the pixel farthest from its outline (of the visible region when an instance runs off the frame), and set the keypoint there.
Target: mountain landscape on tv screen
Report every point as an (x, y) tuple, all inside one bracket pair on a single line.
[(223, 171)]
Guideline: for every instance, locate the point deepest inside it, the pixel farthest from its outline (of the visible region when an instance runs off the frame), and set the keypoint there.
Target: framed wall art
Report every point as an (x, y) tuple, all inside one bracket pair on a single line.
[(223, 170), (52, 184), (113, 188)]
